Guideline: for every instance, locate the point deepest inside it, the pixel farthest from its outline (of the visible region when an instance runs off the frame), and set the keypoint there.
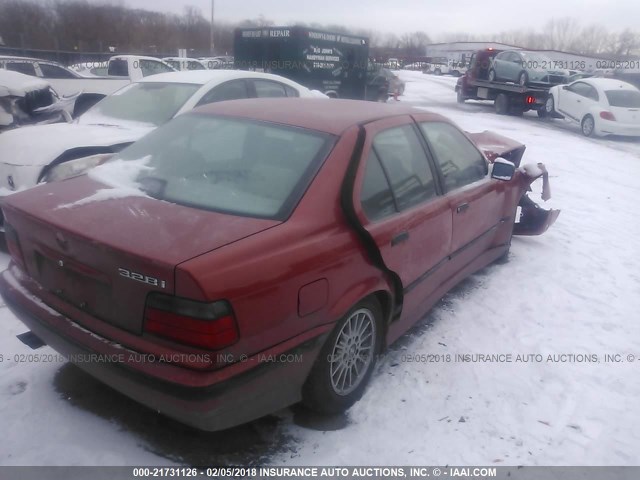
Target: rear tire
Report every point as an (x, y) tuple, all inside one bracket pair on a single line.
[(588, 126), (437, 71), (345, 364), (460, 96), (542, 112), (523, 79)]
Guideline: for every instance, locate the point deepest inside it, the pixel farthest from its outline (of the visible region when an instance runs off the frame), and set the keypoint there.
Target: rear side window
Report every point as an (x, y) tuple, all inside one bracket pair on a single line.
[(118, 68), (623, 98), (376, 197), (22, 67), (233, 90), (152, 67), (405, 165), (459, 160), (267, 89)]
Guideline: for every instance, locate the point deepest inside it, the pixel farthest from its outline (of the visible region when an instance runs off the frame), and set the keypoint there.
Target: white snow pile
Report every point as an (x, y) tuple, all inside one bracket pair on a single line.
[(120, 176), (18, 85)]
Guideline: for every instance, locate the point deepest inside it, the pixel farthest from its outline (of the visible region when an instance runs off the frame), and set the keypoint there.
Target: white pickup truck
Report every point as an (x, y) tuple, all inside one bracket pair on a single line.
[(122, 70)]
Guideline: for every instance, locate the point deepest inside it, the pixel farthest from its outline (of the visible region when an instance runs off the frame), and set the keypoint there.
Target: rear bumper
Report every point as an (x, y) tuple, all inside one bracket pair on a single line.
[(617, 128), (258, 386)]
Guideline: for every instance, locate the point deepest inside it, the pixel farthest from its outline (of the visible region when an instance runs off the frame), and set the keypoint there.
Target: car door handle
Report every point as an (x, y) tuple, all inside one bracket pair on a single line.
[(462, 208), (401, 237), (579, 101)]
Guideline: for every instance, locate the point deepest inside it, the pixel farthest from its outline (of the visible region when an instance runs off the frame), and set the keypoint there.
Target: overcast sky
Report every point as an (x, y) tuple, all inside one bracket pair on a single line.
[(400, 16)]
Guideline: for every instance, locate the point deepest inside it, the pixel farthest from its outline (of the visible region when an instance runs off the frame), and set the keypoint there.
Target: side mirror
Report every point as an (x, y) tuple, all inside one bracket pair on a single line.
[(503, 169), (565, 87)]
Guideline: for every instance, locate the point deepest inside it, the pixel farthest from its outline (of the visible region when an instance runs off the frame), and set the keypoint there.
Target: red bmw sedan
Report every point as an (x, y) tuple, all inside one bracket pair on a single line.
[(250, 255)]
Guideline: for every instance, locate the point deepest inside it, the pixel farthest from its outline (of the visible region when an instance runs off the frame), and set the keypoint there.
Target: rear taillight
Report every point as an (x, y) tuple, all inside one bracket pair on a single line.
[(530, 100), (607, 116), (13, 245), (205, 325)]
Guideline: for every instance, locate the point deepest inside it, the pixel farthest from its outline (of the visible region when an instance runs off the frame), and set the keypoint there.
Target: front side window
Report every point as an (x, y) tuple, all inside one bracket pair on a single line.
[(146, 102), (460, 162), (406, 166), (580, 88), (53, 71), (239, 167)]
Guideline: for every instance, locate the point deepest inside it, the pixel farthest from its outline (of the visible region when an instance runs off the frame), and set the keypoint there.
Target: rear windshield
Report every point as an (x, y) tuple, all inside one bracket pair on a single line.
[(118, 68), (150, 103), (623, 98), (239, 167)]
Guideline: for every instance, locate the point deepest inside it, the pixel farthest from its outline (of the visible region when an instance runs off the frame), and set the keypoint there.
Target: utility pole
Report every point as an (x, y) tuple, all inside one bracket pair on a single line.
[(212, 43)]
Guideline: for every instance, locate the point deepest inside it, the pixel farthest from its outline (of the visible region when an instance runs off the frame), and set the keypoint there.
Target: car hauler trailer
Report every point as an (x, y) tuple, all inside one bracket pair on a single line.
[(509, 98), (333, 63)]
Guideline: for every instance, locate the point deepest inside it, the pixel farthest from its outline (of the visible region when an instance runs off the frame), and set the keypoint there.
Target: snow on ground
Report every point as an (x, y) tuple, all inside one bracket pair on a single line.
[(574, 291)]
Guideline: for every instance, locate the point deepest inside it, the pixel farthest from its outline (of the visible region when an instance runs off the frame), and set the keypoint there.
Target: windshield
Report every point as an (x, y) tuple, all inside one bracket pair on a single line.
[(148, 103), (239, 167), (623, 98)]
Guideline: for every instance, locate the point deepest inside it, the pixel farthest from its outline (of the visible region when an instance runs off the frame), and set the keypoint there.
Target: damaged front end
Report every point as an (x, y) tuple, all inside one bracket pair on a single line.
[(531, 219), (34, 107)]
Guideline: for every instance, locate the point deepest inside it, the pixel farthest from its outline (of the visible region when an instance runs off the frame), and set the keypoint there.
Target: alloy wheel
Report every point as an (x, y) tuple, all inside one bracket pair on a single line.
[(353, 352)]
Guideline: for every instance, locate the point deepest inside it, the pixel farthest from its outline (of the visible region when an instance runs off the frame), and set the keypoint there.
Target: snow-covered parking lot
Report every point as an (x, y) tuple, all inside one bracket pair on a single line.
[(538, 335)]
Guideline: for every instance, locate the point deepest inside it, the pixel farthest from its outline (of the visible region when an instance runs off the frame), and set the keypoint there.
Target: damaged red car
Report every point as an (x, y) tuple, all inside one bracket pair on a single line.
[(254, 254)]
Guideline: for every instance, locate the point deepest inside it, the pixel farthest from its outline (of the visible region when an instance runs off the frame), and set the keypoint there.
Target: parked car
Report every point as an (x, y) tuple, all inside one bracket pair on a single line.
[(25, 100), (219, 62), (396, 84), (256, 256), (121, 70), (444, 66), (601, 106), (52, 152), (91, 69), (526, 68), (182, 63), (379, 83)]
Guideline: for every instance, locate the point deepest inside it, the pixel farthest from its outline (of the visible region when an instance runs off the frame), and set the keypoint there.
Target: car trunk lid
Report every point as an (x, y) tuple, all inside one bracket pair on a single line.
[(106, 256)]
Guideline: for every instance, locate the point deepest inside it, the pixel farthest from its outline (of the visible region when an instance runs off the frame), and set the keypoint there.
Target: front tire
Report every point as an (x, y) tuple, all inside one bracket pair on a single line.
[(437, 71), (588, 126), (345, 364)]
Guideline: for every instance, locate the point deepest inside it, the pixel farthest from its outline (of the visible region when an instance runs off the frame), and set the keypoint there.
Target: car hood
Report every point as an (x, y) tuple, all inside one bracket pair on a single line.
[(39, 145), (18, 85), (494, 145)]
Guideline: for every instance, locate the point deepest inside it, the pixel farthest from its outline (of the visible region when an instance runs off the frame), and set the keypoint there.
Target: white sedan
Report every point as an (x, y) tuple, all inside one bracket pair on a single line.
[(35, 154), (601, 106)]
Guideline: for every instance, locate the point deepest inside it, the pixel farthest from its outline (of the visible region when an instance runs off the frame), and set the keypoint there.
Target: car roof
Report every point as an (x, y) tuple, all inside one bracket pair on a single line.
[(608, 83), (324, 115), (28, 59), (202, 77)]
